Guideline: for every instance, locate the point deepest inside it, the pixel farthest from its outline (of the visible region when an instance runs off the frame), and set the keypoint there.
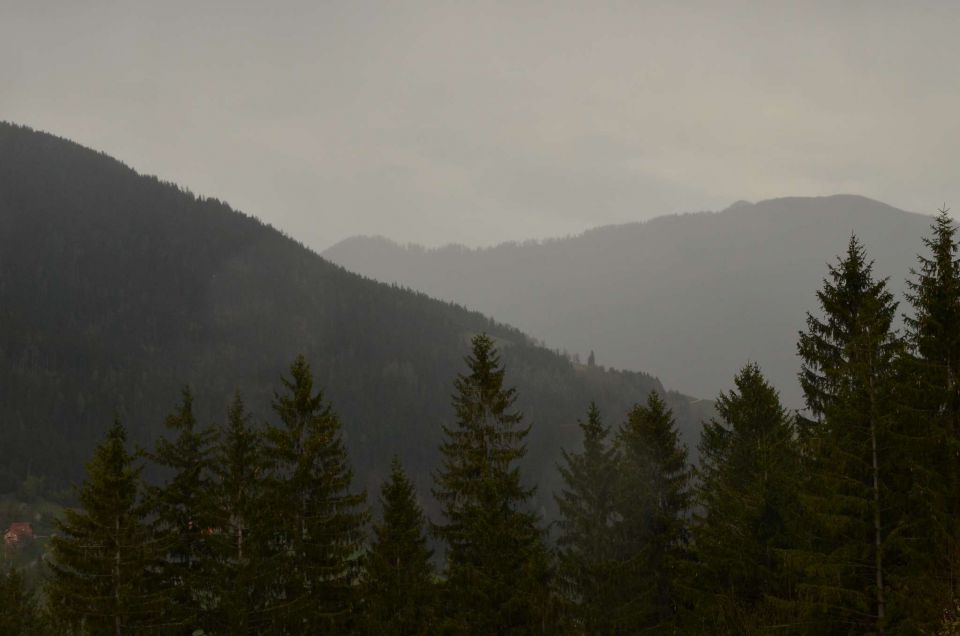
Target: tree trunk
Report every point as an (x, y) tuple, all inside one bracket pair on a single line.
[(117, 626), (877, 536)]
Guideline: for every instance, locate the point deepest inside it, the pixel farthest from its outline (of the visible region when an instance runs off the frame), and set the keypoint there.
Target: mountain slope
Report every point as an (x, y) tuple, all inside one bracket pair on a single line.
[(690, 297), (116, 289)]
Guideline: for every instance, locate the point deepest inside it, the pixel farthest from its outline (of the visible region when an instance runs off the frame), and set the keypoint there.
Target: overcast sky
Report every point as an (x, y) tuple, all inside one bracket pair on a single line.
[(476, 123)]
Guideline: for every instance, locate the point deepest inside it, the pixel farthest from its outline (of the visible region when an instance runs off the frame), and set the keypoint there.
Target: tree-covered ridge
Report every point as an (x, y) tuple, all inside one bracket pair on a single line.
[(668, 294), (117, 289)]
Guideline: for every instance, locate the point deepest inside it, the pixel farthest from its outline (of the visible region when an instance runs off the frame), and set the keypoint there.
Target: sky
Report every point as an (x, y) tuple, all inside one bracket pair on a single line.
[(476, 122)]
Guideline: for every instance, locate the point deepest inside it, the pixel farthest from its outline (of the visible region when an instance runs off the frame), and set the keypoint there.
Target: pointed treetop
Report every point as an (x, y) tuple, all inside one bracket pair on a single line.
[(593, 427), (484, 360), (300, 382), (855, 271), (750, 383), (300, 401), (117, 432), (644, 417), (183, 419), (398, 477)]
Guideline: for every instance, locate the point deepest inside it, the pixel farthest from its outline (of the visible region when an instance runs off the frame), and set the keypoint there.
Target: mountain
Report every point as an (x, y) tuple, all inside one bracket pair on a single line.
[(116, 289), (688, 297)]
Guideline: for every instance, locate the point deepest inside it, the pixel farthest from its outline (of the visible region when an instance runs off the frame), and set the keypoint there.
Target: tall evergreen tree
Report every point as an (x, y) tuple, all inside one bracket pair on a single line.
[(588, 508), (399, 590), (318, 522), (653, 506), (934, 329), (497, 575), (20, 613), (848, 378), (180, 515), (102, 551), (930, 434), (236, 510), (747, 504)]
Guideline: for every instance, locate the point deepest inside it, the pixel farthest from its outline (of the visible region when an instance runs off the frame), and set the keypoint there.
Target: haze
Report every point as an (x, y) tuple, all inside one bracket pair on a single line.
[(477, 123)]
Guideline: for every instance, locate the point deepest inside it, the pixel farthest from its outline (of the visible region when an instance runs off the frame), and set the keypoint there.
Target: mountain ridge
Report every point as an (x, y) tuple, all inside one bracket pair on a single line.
[(737, 206), (637, 293)]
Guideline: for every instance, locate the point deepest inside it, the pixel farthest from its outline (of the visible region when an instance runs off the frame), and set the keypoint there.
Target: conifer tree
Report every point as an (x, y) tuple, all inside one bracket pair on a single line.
[(236, 510), (587, 507), (934, 329), (317, 536), (929, 533), (747, 502), (848, 378), (102, 551), (653, 506), (180, 516), (399, 590), (20, 613), (497, 574)]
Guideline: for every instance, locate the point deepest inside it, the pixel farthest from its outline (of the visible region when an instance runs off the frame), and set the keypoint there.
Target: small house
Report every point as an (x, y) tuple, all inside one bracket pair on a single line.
[(17, 533)]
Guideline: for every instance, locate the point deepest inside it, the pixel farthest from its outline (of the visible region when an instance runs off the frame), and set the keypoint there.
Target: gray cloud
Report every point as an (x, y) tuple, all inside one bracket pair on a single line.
[(480, 122)]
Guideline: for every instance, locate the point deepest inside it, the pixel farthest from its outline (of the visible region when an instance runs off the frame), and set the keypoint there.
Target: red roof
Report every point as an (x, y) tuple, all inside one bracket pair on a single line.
[(18, 530)]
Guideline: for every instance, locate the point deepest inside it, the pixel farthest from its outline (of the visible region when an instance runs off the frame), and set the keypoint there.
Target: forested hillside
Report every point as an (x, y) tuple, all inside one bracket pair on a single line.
[(246, 514), (689, 297), (116, 289)]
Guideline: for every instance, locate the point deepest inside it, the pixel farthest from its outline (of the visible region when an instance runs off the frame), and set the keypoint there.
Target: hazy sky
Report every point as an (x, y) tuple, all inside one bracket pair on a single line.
[(475, 123)]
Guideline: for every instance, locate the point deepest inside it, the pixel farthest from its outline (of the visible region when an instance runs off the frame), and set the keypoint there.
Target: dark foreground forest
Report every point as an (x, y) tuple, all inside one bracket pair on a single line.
[(838, 522)]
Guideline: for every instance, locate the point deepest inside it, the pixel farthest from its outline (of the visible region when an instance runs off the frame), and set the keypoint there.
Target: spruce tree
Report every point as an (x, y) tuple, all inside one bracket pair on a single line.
[(587, 506), (102, 551), (236, 510), (653, 505), (747, 502), (318, 522), (179, 515), (848, 377), (929, 533), (934, 328), (399, 591), (497, 574), (20, 613)]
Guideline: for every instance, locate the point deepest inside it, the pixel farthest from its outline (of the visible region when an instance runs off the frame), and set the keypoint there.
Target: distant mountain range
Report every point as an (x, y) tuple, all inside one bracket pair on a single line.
[(116, 289), (690, 297)]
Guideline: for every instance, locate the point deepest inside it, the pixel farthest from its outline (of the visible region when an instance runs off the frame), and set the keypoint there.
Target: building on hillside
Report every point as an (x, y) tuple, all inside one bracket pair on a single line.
[(18, 533)]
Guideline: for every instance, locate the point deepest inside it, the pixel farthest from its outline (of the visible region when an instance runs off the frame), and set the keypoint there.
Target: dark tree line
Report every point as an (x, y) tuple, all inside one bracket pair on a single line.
[(842, 520), (260, 530)]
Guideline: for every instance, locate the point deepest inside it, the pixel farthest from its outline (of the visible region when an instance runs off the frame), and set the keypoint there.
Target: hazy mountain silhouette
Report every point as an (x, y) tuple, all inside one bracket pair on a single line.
[(116, 289), (689, 297)]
